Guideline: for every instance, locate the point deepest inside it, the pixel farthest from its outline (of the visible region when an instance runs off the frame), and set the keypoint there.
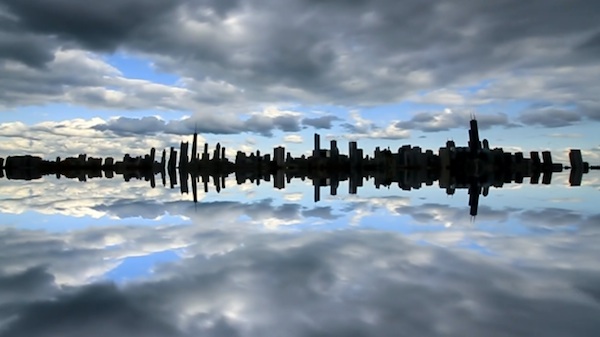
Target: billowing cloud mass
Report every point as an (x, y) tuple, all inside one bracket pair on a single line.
[(254, 267), (239, 282), (323, 122), (235, 56), (550, 117), (260, 124), (449, 119), (71, 137)]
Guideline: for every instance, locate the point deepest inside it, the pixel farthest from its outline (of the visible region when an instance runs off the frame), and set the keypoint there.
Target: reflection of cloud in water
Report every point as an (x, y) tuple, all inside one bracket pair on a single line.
[(362, 208), (324, 212), (432, 214), (289, 284), (221, 213), (550, 217), (293, 196), (73, 198)]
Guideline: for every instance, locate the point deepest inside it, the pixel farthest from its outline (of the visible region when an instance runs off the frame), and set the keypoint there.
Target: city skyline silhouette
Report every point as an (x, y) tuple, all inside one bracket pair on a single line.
[(475, 167)]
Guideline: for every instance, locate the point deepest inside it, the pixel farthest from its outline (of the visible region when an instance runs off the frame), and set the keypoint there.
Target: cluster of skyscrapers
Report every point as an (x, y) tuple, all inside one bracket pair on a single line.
[(475, 167)]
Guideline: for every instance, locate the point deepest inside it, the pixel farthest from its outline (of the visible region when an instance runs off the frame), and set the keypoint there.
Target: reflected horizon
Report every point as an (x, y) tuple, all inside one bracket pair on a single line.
[(475, 167), (251, 260), (181, 181)]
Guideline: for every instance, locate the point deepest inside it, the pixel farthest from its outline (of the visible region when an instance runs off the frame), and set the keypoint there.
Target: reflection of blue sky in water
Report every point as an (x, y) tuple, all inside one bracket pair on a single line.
[(253, 257), (140, 266)]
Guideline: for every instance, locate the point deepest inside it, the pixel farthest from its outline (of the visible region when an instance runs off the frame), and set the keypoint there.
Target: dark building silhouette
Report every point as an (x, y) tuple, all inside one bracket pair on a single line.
[(476, 167)]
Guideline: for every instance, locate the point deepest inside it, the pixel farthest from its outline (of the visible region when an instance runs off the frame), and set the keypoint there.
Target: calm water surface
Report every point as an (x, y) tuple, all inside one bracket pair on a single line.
[(108, 258)]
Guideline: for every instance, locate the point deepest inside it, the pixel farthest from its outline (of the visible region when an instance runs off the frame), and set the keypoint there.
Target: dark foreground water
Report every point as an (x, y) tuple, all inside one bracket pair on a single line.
[(108, 258)]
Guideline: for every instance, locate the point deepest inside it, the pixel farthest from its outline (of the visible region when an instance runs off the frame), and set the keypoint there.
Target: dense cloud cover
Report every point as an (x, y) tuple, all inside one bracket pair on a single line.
[(232, 283), (264, 266), (232, 56)]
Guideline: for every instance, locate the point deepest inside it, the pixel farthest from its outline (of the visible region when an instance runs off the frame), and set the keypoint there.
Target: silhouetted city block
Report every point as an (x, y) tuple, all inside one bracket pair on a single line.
[(475, 167)]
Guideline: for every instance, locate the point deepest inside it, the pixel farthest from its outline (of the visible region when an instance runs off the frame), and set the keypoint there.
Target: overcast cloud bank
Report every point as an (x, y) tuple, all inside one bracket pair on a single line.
[(236, 56)]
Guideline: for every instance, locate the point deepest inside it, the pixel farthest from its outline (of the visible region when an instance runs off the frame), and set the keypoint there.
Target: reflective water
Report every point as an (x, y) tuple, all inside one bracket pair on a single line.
[(108, 258)]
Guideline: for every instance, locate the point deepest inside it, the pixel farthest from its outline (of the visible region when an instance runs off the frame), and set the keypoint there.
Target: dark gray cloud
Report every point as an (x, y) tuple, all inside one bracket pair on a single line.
[(29, 49), (549, 217), (99, 26), (215, 212), (305, 283), (323, 122), (140, 126), (324, 212), (348, 53), (28, 285), (591, 110), (96, 310), (225, 124), (443, 121), (550, 117)]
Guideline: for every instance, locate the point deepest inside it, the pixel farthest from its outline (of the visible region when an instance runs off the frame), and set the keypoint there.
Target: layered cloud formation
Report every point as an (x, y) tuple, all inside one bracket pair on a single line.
[(234, 281), (231, 57), (254, 266)]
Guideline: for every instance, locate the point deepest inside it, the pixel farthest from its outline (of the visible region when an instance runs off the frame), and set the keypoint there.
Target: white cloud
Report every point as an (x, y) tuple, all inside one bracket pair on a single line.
[(72, 137), (293, 196), (293, 139)]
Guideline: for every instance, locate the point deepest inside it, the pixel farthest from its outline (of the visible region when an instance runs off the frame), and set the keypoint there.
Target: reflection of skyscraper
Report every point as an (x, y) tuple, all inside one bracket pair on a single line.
[(279, 181)]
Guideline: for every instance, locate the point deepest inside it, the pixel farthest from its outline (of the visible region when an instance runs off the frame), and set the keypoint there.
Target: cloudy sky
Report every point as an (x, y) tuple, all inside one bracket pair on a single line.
[(109, 258), (259, 73)]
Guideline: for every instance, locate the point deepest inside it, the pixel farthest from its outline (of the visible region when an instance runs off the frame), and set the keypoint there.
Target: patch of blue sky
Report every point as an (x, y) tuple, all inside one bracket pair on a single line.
[(319, 224), (475, 247), (135, 67), (51, 112), (579, 199), (247, 192), (539, 138), (477, 86), (140, 266), (398, 111), (228, 141), (512, 226), (317, 110), (33, 220), (510, 107)]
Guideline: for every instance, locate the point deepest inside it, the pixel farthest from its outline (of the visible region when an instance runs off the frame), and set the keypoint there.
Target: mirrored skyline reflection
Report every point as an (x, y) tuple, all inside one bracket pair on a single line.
[(111, 258)]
